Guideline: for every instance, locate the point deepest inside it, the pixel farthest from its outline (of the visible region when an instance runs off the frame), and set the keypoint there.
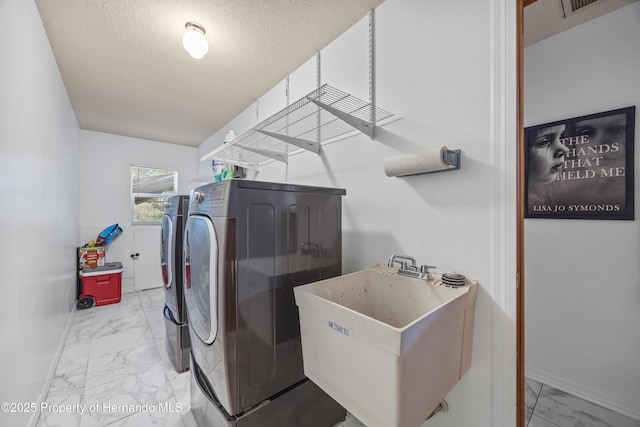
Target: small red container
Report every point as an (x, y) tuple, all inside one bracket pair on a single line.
[(104, 283)]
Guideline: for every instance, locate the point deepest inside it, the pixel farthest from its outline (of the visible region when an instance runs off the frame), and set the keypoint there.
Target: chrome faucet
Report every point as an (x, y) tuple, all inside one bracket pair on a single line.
[(403, 265), (410, 270)]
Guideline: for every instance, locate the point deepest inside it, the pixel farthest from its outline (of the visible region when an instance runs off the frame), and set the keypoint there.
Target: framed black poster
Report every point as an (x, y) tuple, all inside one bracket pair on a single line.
[(581, 168)]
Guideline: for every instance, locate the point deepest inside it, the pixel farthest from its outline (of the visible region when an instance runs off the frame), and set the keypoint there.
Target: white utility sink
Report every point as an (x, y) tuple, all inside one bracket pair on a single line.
[(386, 347)]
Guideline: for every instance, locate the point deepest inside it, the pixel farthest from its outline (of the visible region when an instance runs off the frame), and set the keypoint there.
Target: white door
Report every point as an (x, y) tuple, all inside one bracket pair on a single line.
[(147, 272)]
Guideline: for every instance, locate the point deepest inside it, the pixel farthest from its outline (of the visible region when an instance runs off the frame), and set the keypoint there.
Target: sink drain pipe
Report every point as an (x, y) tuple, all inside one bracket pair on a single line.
[(442, 407)]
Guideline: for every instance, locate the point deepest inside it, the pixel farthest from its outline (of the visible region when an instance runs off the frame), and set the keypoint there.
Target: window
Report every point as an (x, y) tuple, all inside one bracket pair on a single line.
[(150, 189)]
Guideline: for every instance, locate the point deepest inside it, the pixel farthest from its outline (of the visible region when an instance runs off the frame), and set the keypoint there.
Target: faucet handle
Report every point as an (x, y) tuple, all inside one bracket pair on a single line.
[(424, 268), (424, 271)]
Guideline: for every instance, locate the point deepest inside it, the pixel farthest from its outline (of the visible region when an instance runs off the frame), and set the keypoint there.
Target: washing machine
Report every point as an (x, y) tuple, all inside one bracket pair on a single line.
[(246, 245), (175, 313)]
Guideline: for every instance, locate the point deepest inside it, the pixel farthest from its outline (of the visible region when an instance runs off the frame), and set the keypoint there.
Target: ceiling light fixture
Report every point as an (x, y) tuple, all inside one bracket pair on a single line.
[(194, 40)]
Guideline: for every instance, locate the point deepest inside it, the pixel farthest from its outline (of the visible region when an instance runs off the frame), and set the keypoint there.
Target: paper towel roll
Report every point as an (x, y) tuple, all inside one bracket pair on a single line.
[(429, 160)]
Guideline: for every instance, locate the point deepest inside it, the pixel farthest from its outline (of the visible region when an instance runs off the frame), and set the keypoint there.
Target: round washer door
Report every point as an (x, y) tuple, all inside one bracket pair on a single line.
[(201, 277), (166, 250)]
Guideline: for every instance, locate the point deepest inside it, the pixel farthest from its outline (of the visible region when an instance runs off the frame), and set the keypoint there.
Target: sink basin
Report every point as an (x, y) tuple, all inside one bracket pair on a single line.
[(386, 347)]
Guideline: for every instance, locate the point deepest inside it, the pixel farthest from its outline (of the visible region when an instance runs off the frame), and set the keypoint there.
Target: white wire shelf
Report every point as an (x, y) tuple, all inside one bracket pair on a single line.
[(324, 114)]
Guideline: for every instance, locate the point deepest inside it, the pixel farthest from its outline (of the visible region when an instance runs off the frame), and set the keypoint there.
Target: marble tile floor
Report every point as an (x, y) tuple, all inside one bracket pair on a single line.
[(546, 406), (114, 365)]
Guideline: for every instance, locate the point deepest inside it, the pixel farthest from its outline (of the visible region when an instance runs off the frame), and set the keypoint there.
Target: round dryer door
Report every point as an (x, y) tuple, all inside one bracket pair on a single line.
[(166, 250), (200, 277)]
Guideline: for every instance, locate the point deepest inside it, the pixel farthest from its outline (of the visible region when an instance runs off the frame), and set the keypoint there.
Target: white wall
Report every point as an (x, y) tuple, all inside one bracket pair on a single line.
[(444, 74), (39, 202), (582, 277), (105, 190)]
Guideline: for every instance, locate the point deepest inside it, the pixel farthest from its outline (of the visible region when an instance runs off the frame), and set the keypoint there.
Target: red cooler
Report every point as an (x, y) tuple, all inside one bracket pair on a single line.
[(102, 284)]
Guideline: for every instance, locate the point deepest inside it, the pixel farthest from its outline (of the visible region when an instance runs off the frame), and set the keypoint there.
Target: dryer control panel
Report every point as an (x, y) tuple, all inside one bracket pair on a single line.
[(211, 199)]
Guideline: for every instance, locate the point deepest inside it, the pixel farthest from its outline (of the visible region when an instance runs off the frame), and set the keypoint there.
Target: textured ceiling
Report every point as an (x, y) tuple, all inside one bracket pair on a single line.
[(126, 72)]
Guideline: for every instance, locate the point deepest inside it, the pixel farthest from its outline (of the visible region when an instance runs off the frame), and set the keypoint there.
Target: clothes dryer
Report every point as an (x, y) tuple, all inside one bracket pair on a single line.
[(246, 245), (177, 330)]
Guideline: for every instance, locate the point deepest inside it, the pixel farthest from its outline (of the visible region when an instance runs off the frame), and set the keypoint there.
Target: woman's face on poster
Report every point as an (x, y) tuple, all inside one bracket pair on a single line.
[(609, 130), (546, 155)]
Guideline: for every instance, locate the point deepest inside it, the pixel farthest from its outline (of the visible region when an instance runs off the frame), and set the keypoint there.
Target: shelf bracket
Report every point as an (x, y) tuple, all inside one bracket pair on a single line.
[(298, 142), (362, 125), (268, 153)]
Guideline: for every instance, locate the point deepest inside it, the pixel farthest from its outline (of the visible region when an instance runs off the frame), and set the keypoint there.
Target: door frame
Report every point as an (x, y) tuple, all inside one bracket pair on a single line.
[(520, 337)]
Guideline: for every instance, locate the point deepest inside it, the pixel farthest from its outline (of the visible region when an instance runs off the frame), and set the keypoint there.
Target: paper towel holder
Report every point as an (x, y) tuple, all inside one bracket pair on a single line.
[(426, 161), (452, 157)]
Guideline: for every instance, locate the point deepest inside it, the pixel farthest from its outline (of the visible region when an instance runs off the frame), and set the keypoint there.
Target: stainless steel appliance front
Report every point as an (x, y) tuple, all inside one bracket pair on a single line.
[(246, 245), (171, 236)]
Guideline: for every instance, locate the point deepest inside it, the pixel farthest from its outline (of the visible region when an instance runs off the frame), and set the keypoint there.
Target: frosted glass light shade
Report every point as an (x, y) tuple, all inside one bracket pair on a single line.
[(194, 40)]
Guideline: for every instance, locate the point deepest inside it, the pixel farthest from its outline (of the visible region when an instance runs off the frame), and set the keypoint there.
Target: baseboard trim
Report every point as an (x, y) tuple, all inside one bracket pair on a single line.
[(33, 421), (586, 393)]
